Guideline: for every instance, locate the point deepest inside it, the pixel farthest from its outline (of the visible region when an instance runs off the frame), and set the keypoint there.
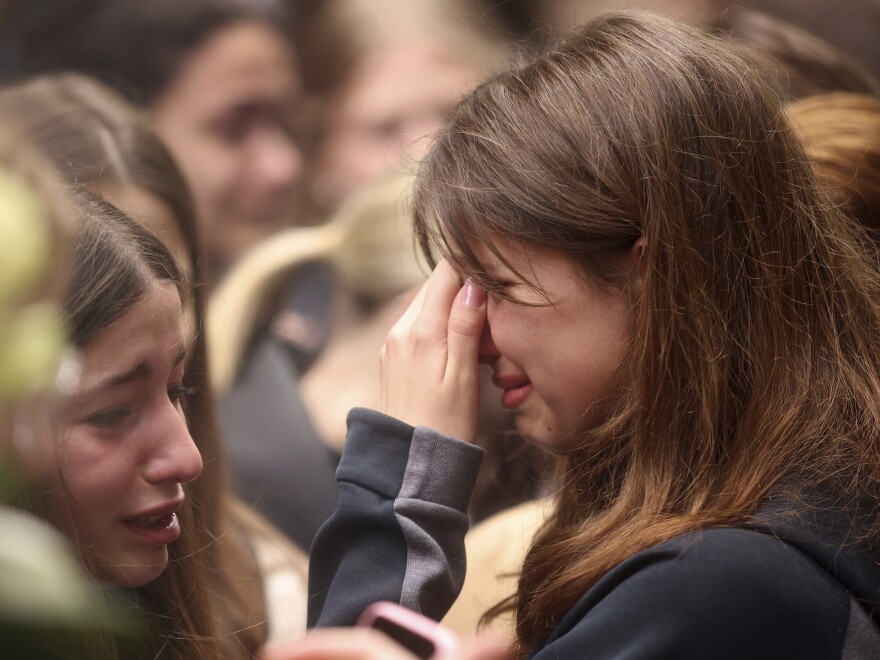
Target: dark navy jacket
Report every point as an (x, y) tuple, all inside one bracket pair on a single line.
[(788, 587)]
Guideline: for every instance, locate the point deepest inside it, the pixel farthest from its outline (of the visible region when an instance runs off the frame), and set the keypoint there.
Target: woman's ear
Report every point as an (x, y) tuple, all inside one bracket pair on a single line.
[(638, 249), (636, 267)]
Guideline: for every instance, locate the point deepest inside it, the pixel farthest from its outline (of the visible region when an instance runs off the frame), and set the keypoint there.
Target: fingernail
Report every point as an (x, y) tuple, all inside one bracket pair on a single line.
[(473, 295)]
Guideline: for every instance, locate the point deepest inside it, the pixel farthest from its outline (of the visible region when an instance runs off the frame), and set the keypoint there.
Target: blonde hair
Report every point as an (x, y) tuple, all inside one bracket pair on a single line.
[(343, 32), (841, 135), (368, 242)]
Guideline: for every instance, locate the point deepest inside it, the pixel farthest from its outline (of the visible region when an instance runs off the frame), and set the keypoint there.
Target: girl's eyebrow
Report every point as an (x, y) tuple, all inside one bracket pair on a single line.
[(139, 372), (497, 269), (490, 264)]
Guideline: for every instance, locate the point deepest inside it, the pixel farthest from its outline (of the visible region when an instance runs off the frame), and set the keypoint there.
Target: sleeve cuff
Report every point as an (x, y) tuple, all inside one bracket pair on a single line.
[(441, 469), (376, 452)]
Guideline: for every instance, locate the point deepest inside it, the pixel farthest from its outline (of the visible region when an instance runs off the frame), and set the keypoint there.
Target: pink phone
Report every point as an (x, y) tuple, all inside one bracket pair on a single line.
[(420, 635)]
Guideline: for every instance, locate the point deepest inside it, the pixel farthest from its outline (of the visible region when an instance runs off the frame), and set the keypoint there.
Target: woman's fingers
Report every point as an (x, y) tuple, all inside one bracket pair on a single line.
[(370, 644), (337, 644), (429, 362), (465, 327), (430, 308), (440, 291)]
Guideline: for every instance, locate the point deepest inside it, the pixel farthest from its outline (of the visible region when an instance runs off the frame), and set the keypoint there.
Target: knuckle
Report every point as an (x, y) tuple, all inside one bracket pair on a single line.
[(394, 338), (464, 326), (421, 335), (410, 340)]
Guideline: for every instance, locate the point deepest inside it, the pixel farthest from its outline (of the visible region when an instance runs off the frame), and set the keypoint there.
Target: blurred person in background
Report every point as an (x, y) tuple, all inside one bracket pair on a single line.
[(218, 79), (286, 422), (850, 27), (841, 135), (795, 62), (368, 245), (386, 74)]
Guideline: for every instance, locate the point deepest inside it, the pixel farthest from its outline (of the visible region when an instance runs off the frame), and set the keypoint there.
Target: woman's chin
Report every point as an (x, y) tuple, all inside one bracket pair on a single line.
[(534, 432), (133, 575), (549, 434)]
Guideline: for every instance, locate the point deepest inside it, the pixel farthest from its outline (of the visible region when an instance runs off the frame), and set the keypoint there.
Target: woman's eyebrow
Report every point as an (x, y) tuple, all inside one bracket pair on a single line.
[(140, 371), (497, 269)]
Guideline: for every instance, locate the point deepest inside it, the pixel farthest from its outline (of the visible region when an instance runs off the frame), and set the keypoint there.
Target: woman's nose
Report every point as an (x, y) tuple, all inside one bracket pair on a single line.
[(488, 352), (277, 162), (175, 457)]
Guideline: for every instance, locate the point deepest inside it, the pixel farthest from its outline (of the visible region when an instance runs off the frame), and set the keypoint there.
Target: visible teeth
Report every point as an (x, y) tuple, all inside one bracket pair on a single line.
[(151, 521)]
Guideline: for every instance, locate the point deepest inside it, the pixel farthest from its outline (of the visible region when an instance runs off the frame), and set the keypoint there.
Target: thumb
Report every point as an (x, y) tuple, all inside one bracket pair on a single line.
[(466, 320)]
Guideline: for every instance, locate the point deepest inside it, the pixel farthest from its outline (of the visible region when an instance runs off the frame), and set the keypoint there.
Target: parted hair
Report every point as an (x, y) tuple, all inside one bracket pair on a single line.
[(114, 263), (752, 368)]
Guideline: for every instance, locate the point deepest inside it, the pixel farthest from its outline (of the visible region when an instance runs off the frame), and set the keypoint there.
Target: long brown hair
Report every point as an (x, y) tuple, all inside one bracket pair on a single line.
[(113, 263), (752, 365), (98, 141)]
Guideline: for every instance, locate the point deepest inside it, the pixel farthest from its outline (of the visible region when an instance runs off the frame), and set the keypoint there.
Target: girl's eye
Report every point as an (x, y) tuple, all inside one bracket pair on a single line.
[(179, 393), (233, 131), (234, 126), (504, 291), (108, 419)]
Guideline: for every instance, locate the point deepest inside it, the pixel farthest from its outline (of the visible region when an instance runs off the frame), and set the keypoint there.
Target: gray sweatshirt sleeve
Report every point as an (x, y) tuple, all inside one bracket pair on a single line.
[(398, 530)]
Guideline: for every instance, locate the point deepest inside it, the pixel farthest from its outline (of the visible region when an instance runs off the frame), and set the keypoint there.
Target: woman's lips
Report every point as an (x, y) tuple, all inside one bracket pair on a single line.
[(516, 390), (160, 530), (513, 397), (158, 524)]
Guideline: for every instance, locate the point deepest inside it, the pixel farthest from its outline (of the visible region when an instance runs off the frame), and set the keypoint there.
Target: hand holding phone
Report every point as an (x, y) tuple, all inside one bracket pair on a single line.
[(361, 643), (420, 635)]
